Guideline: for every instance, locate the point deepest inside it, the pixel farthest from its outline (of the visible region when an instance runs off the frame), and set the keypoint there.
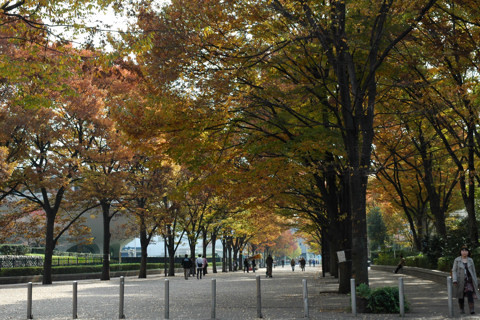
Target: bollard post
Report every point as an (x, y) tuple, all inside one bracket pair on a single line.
[(167, 299), (401, 297), (450, 296), (121, 315), (259, 299), (29, 301), (305, 299), (214, 298), (353, 297), (75, 315)]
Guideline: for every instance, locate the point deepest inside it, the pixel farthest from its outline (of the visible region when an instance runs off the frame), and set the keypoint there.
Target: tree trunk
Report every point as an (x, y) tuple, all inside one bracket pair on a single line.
[(359, 227), (49, 247), (214, 257), (106, 240), (224, 258), (171, 253), (144, 255), (229, 250)]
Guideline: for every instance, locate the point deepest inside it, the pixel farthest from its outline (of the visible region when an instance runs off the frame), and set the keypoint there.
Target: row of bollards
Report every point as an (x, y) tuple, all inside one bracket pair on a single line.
[(401, 297), (121, 314)]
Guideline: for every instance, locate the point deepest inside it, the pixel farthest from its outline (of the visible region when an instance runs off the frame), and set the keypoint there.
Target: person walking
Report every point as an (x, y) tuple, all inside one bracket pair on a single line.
[(292, 264), (199, 263), (205, 265), (302, 263), (465, 282), (269, 266), (186, 264), (400, 264), (245, 265), (254, 264)]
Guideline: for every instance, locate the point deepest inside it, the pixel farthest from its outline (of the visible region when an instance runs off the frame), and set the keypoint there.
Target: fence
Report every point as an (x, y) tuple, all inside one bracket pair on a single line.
[(15, 261), (121, 313)]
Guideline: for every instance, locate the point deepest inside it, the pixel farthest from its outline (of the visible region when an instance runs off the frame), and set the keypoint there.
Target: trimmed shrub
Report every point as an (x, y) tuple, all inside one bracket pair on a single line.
[(363, 291), (28, 271), (17, 272), (385, 300), (445, 264), (14, 249), (419, 261), (386, 258)]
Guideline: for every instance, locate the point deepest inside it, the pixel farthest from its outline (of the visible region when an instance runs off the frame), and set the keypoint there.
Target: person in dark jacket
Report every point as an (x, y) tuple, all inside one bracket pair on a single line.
[(269, 266), (245, 265), (186, 264)]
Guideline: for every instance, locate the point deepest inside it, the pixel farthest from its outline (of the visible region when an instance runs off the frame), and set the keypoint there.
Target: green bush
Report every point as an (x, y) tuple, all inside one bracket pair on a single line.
[(29, 271), (386, 258), (363, 291), (445, 264), (14, 249), (419, 261), (385, 300), (22, 271)]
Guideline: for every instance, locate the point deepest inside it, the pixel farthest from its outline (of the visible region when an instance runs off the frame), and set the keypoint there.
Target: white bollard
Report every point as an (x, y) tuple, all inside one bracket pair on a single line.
[(167, 299), (353, 297), (121, 315), (29, 301), (305, 299), (214, 298), (401, 297), (259, 299), (75, 315), (450, 296)]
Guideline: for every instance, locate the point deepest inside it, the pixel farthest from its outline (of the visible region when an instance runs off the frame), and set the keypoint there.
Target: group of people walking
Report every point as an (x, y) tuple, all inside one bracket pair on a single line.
[(302, 263), (196, 266), (199, 266)]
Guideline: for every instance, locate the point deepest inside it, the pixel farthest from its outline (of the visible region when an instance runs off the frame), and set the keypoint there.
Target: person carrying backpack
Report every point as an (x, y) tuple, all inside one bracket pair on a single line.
[(186, 264)]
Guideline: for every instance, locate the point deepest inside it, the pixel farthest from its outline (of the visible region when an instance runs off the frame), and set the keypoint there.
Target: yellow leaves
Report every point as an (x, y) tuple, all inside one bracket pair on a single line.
[(207, 31)]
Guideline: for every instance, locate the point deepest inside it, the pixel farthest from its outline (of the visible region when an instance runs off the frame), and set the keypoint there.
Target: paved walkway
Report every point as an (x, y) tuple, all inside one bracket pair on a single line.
[(282, 297)]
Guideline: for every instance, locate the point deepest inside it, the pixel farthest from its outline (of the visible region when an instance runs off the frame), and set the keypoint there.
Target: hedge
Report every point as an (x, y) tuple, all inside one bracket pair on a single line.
[(14, 249), (28, 271)]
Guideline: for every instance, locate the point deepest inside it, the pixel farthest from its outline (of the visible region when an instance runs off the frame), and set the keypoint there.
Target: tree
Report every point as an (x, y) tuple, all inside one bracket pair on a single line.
[(45, 137), (271, 60), (377, 231)]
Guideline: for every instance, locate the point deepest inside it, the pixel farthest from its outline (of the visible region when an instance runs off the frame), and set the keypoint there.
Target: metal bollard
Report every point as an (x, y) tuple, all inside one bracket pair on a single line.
[(167, 299), (450, 296), (121, 315), (29, 301), (305, 299), (401, 297), (214, 298), (353, 297), (75, 315), (259, 298)]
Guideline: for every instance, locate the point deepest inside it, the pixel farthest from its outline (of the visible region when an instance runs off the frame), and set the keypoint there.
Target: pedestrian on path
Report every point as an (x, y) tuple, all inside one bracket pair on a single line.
[(186, 264), (199, 263), (292, 264), (205, 265), (269, 266), (465, 280), (400, 264), (254, 265), (245, 265), (302, 263)]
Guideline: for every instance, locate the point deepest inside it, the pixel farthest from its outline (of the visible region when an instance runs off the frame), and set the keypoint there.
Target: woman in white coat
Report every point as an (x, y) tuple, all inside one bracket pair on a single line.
[(465, 281)]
